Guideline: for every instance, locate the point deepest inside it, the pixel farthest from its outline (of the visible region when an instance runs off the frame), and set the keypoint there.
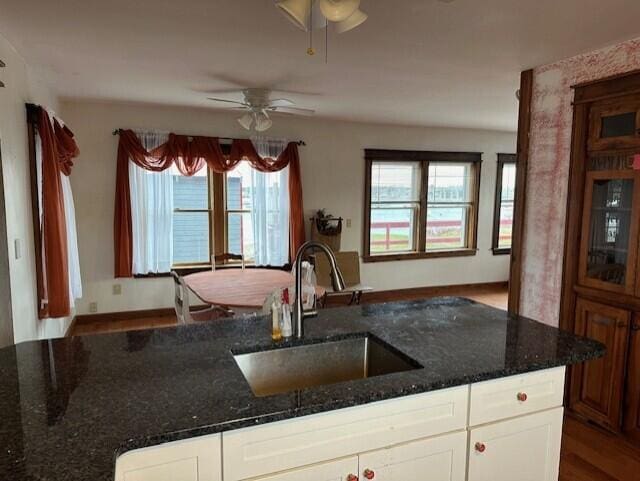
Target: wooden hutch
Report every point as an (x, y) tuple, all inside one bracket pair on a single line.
[(601, 282)]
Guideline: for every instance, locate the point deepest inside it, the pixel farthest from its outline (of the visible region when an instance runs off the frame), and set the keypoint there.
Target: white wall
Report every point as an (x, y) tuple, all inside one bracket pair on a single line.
[(21, 87), (333, 178)]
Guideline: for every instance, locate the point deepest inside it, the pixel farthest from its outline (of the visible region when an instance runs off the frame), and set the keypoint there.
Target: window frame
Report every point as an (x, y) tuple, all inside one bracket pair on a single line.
[(424, 158), (502, 160)]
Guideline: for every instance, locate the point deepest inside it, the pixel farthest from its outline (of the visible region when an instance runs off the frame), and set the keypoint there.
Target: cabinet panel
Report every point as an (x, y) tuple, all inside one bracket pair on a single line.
[(283, 445), (608, 252), (442, 458), (525, 448), (596, 386), (631, 423), (339, 470), (516, 395), (197, 459)]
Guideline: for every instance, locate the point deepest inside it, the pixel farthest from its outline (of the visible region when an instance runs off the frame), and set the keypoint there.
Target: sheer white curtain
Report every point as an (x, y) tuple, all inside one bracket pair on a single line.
[(270, 209), (73, 259), (151, 213)]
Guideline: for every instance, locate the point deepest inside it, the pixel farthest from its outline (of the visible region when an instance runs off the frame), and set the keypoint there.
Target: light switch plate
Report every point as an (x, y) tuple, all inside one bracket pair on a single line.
[(93, 307), (348, 223), (117, 289)]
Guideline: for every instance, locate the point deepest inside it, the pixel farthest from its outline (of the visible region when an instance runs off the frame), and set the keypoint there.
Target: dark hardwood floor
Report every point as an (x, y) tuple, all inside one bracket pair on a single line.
[(588, 453)]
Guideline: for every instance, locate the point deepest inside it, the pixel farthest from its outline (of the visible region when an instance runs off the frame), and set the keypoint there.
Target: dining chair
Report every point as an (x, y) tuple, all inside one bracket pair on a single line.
[(349, 264), (227, 256), (185, 313)]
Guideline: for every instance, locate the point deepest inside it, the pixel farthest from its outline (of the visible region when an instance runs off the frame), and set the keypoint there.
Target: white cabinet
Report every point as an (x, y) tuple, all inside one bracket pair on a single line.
[(442, 458), (197, 459), (525, 448), (341, 470), (292, 443), (498, 430)]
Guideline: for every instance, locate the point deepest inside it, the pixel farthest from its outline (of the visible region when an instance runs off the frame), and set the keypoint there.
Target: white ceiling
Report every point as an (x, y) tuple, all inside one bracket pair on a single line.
[(418, 62)]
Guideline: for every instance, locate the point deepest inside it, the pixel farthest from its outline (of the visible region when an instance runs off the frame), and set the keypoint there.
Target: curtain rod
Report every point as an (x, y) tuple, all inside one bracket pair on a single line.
[(299, 142)]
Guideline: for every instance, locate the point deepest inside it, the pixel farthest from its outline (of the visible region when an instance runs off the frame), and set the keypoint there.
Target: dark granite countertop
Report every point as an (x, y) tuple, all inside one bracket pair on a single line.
[(69, 406)]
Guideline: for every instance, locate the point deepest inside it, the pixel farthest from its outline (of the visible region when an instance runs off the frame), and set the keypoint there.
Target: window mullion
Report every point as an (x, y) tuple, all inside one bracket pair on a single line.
[(422, 214)]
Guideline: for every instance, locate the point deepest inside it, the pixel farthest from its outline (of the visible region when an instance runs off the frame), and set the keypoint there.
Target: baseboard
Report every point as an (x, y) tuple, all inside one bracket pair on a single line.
[(391, 295), (372, 297), (72, 324), (124, 315)]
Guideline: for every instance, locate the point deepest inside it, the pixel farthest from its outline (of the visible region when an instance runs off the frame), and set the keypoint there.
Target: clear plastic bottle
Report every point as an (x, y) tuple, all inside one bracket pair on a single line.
[(276, 333)]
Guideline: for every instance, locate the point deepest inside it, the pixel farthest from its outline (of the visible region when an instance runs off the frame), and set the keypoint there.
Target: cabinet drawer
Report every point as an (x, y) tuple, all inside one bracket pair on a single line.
[(516, 395), (197, 459), (312, 439)]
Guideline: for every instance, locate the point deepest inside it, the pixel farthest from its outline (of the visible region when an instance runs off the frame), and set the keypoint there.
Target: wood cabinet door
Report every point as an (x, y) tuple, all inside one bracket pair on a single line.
[(345, 469), (631, 424), (609, 246), (442, 458), (597, 386), (615, 124), (526, 448)]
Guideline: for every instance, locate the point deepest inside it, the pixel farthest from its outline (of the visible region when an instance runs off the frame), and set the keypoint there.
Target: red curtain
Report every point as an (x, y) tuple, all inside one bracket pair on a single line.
[(190, 154), (58, 150)]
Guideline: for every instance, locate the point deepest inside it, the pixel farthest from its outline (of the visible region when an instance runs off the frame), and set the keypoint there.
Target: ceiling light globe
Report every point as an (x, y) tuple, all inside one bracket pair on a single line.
[(263, 123), (246, 121), (338, 10), (297, 11), (356, 19)]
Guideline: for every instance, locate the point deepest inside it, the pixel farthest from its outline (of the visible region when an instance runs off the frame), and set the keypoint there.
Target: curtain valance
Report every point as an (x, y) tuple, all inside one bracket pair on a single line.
[(58, 151), (189, 155)]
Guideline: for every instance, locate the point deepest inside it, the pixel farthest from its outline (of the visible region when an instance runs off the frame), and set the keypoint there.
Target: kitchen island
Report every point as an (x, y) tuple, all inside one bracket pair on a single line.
[(73, 407)]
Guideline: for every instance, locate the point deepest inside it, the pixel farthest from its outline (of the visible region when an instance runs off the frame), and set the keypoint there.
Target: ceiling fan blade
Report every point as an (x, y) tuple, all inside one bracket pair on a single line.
[(281, 103), (228, 101), (221, 91), (293, 111)]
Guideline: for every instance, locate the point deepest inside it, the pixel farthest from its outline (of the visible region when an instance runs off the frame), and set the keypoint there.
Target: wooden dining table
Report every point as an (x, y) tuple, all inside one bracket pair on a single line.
[(242, 288)]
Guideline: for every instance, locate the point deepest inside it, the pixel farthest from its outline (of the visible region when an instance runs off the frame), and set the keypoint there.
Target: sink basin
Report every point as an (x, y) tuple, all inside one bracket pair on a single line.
[(288, 369)]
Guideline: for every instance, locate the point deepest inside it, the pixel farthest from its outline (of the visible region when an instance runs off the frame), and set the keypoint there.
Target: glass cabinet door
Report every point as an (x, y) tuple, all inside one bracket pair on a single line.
[(610, 231)]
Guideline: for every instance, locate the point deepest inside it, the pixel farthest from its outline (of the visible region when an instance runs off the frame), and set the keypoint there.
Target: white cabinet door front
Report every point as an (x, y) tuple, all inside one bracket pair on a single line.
[(441, 458), (197, 459), (345, 469), (525, 448)]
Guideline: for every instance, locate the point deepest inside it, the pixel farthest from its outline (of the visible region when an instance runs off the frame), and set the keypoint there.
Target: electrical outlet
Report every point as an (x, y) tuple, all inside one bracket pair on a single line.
[(93, 307), (348, 223), (117, 289)]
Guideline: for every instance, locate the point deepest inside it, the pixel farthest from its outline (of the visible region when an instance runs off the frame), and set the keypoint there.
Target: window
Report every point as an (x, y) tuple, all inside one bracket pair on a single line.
[(191, 218), (505, 195), (420, 204), (395, 206), (199, 227)]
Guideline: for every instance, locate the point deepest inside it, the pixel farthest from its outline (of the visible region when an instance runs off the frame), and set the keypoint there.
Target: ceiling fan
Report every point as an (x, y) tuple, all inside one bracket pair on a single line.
[(258, 105)]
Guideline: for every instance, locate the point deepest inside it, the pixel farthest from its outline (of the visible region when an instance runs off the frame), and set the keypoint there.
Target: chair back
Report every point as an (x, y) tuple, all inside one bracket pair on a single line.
[(348, 263), (224, 257), (181, 299)]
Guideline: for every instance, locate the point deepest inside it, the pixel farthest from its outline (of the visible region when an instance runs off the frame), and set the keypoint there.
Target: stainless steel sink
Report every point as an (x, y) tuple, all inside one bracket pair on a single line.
[(288, 369)]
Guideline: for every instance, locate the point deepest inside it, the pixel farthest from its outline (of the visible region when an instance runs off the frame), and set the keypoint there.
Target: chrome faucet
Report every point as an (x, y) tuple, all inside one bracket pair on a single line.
[(337, 281)]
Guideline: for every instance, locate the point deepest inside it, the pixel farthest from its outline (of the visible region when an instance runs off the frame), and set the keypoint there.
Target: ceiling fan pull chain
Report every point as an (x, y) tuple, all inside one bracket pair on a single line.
[(310, 50), (326, 41)]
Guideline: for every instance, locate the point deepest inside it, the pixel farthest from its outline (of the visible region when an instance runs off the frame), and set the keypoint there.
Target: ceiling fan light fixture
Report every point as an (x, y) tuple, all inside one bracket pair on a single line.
[(263, 123), (356, 19), (246, 121), (297, 11), (338, 10)]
